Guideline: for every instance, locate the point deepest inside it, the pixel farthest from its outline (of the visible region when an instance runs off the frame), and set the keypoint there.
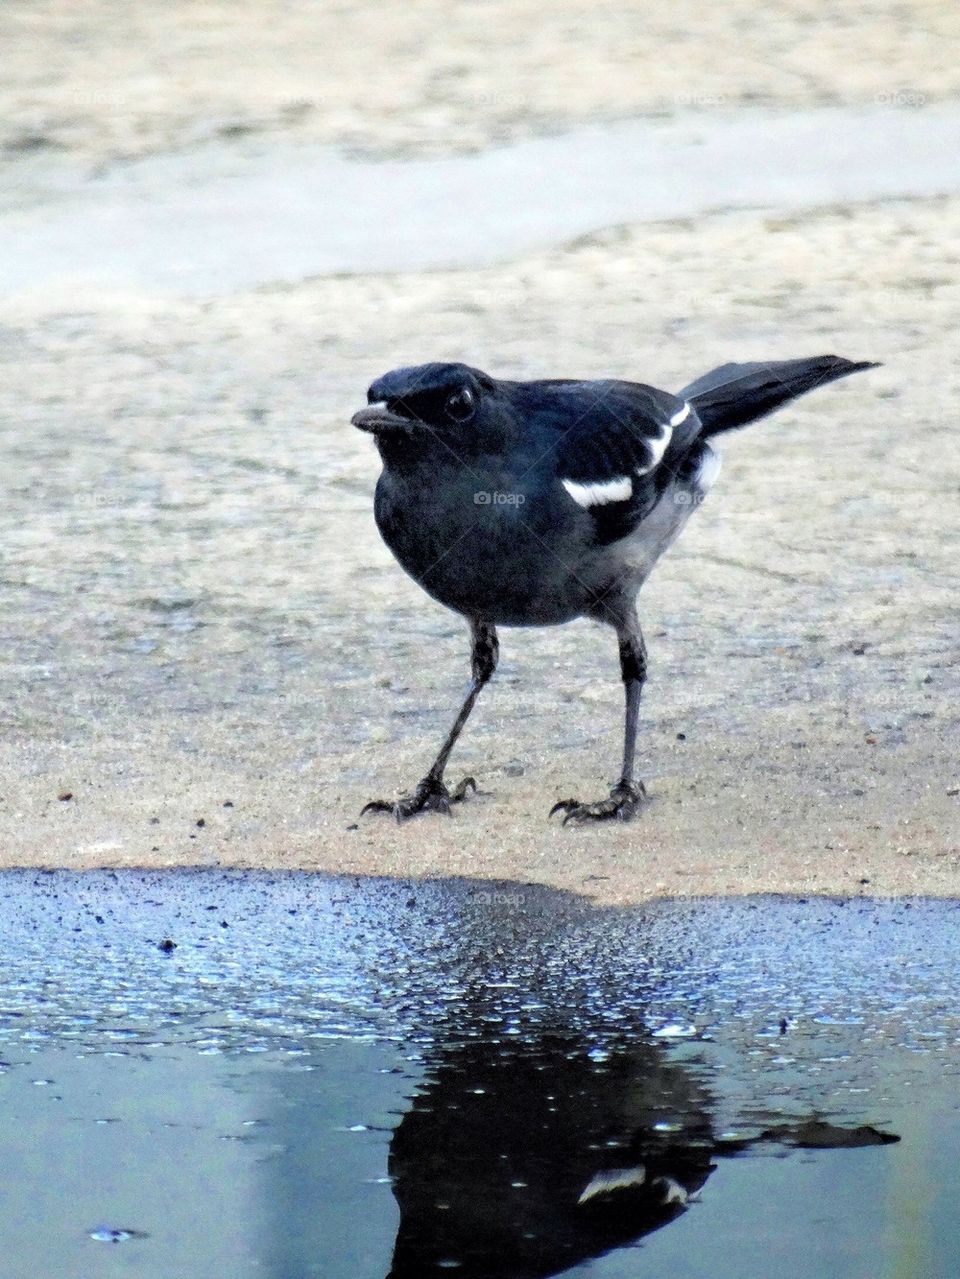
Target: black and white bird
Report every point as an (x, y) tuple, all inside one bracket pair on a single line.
[(533, 503)]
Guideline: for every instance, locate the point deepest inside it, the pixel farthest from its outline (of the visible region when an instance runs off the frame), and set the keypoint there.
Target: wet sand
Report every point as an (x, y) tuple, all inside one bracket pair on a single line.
[(208, 648)]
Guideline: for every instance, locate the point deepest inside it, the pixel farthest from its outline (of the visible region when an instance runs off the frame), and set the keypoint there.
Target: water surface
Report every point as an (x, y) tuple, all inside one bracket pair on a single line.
[(286, 1076)]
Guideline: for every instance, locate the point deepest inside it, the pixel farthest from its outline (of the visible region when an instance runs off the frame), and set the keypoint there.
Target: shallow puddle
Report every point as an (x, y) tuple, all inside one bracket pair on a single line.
[(259, 1075)]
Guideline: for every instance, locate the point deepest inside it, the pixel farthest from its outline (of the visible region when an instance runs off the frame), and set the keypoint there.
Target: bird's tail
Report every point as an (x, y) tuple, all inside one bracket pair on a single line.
[(736, 394)]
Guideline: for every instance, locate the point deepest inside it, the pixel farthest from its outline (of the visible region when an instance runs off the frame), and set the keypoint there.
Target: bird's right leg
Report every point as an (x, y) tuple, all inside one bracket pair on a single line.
[(430, 794), (628, 796)]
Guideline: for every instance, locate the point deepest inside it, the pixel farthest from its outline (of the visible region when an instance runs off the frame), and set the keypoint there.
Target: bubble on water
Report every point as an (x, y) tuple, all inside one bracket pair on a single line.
[(115, 1234)]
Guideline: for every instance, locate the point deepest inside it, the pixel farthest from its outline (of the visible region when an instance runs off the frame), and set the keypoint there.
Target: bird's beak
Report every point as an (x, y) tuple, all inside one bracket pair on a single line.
[(377, 419)]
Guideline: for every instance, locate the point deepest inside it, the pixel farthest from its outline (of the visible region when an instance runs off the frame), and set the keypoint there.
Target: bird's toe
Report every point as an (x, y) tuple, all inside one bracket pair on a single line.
[(378, 806), (564, 806), (461, 790), (601, 811), (429, 796), (624, 802)]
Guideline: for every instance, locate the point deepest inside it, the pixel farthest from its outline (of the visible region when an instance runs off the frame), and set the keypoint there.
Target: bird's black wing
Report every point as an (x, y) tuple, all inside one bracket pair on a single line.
[(619, 449)]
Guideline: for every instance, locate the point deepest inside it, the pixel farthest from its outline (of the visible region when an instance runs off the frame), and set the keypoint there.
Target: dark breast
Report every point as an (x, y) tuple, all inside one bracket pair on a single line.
[(482, 551)]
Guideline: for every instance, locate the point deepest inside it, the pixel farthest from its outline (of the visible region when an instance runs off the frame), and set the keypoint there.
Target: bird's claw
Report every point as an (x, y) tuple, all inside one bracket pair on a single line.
[(429, 796), (626, 800)]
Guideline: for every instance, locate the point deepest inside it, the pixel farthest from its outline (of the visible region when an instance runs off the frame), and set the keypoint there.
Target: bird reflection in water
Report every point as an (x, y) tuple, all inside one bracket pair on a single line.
[(520, 1160)]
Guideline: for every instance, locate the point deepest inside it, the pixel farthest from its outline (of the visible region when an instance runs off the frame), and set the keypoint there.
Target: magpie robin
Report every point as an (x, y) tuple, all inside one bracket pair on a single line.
[(532, 503)]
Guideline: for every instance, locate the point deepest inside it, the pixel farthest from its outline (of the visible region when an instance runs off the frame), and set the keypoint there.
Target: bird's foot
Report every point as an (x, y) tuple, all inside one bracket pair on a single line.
[(429, 796), (626, 800)]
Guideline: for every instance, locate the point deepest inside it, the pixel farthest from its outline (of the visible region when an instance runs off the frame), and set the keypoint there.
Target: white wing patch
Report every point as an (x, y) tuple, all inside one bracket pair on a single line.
[(673, 1192), (657, 448), (604, 1183), (620, 489), (587, 495)]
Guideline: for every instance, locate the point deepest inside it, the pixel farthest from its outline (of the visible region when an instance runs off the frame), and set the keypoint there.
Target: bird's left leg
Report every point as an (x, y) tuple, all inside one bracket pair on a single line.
[(430, 793), (629, 794)]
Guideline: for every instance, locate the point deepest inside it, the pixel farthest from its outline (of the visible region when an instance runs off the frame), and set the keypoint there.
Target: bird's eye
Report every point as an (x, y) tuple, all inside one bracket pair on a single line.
[(460, 404)]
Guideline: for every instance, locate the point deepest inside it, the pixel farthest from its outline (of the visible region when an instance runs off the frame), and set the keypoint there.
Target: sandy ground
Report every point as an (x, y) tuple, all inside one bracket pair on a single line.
[(209, 650), (111, 79)]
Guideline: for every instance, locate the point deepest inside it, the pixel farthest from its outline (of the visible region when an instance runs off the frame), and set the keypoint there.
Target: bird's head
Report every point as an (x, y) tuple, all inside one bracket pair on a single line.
[(418, 410)]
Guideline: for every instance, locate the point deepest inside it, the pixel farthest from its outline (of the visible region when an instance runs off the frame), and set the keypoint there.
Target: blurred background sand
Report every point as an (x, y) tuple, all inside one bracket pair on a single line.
[(205, 643), (111, 81)]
